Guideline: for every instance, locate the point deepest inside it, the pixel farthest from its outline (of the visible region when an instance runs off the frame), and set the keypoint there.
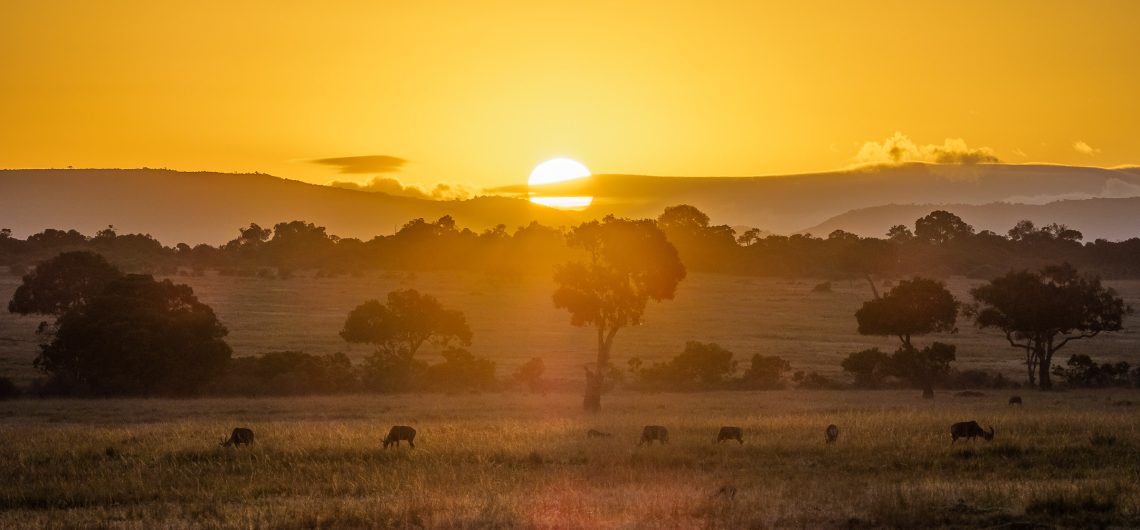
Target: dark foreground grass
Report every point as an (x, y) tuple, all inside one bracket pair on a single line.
[(521, 461)]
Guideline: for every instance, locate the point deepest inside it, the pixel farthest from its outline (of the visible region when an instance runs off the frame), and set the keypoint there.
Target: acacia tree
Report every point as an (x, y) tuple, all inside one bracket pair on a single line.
[(62, 283), (913, 307), (1041, 312), (400, 328), (137, 336), (627, 263)]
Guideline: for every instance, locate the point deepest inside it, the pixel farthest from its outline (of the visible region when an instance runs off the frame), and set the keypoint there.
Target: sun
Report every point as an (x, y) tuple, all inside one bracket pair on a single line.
[(559, 170)]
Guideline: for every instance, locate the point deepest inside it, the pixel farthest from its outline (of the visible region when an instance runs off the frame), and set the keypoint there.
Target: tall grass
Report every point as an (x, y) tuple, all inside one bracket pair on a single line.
[(514, 461)]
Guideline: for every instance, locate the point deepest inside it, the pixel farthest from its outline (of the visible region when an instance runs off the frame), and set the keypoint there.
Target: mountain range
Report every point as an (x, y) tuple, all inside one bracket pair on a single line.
[(197, 207)]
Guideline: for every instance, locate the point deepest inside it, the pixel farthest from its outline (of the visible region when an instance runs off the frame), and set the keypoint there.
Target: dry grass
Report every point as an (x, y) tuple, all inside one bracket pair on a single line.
[(514, 320), (522, 461)]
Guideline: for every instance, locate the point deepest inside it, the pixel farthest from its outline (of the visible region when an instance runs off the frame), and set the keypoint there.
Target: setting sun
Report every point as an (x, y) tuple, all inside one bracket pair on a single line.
[(559, 170)]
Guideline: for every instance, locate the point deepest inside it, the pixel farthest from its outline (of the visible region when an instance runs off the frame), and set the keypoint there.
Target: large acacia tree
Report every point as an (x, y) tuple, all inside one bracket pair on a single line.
[(913, 307), (1041, 312), (399, 328), (137, 336), (627, 263)]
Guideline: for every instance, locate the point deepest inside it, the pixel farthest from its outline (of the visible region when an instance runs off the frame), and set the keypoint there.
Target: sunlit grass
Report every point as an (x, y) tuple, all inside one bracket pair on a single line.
[(523, 461)]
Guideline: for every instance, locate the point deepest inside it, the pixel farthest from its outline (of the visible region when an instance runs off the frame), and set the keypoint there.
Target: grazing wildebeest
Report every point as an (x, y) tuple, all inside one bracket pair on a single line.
[(1015, 400), (594, 433), (240, 435), (730, 433), (728, 491), (831, 434), (398, 433), (654, 432), (969, 430)]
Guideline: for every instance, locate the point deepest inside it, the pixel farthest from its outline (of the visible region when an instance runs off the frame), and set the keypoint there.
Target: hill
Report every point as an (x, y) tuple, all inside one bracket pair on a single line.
[(1112, 219), (203, 207), (200, 207), (787, 204)]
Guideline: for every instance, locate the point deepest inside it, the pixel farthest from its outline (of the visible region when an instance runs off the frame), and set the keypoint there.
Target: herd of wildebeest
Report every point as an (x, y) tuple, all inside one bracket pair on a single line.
[(649, 434)]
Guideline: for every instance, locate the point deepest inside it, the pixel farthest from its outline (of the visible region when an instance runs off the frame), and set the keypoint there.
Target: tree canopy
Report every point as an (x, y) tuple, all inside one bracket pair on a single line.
[(1041, 312), (913, 307), (137, 336), (65, 282), (404, 324), (627, 263)]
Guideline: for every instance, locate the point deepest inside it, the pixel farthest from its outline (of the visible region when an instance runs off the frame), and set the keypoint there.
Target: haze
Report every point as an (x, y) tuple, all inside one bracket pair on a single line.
[(475, 94)]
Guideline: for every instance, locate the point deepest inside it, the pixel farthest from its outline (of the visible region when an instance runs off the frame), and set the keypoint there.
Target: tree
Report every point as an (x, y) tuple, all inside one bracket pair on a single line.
[(868, 367), (940, 227), (923, 368), (913, 307), (65, 282), (400, 328), (136, 337), (900, 234), (627, 264), (1042, 312), (766, 372), (530, 374)]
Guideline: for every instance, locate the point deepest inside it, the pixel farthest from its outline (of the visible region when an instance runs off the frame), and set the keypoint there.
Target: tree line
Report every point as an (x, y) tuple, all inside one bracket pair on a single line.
[(938, 244), (130, 334)]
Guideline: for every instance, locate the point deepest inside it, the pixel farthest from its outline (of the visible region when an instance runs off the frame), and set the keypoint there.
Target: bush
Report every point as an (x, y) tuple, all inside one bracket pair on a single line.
[(765, 373), (8, 389)]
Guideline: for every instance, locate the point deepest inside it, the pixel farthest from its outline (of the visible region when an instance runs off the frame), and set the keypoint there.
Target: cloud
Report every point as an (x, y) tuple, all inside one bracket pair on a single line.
[(899, 149), (1085, 149), (1020, 153), (364, 164), (393, 186), (1113, 188)]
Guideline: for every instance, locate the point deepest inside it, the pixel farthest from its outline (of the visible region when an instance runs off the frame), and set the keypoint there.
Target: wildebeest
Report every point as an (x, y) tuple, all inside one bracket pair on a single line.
[(594, 433), (969, 430), (398, 433), (831, 434), (1015, 400), (727, 491), (730, 433), (654, 432), (240, 435)]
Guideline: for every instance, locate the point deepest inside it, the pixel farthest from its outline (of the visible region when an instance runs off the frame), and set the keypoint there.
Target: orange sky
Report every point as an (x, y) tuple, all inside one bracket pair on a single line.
[(477, 93)]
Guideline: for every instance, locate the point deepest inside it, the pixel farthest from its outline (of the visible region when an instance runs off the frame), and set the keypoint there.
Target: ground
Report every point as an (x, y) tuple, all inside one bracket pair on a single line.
[(514, 460)]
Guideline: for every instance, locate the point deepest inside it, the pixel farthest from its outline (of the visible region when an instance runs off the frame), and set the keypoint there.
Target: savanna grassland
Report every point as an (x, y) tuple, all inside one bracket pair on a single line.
[(514, 320), (1066, 459)]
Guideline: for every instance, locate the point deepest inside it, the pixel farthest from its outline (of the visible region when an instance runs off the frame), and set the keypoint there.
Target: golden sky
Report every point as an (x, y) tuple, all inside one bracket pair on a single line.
[(477, 93)]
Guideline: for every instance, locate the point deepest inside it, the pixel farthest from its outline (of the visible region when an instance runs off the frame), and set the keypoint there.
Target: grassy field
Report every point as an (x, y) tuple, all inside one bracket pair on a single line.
[(1068, 459), (515, 320)]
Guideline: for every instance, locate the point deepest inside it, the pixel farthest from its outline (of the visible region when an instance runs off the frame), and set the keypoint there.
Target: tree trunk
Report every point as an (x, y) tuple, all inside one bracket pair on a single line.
[(1043, 374), (592, 401)]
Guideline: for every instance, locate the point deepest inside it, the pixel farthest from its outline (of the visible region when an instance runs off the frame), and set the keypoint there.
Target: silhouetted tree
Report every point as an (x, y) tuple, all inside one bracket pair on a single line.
[(923, 368), (137, 336), (1082, 371), (627, 264), (765, 372), (1041, 312), (399, 329), (65, 282), (700, 365), (941, 227), (530, 374), (868, 367), (913, 307), (460, 370)]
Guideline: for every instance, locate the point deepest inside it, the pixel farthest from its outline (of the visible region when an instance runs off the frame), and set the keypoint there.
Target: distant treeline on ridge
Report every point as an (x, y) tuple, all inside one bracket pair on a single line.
[(939, 244)]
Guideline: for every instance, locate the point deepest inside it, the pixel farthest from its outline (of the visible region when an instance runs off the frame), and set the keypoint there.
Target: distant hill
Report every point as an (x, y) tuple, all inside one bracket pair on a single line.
[(203, 207), (1111, 219), (194, 207), (787, 204)]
